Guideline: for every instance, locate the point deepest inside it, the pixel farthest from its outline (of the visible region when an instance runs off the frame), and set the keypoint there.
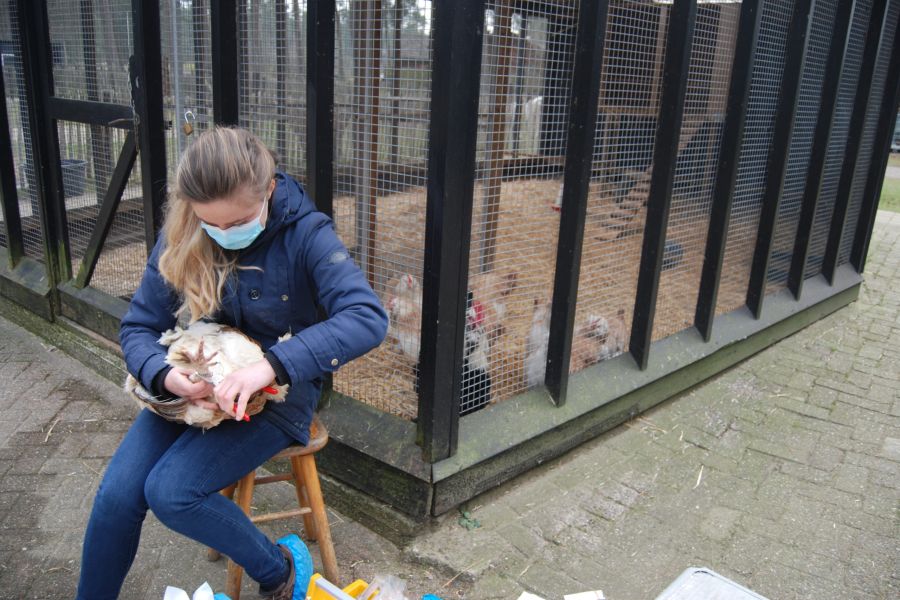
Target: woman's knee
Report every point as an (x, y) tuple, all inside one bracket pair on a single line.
[(120, 499), (168, 496)]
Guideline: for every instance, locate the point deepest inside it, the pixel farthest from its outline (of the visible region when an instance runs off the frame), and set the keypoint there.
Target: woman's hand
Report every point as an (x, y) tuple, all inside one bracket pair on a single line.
[(238, 386), (178, 382)]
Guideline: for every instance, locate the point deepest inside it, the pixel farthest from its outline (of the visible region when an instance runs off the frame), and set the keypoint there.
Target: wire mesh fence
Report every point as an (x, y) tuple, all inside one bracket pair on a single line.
[(834, 159), (187, 73), (95, 38), (807, 111), (766, 83), (866, 151), (383, 69), (381, 112), (709, 75), (20, 133), (525, 77), (630, 87), (272, 77)]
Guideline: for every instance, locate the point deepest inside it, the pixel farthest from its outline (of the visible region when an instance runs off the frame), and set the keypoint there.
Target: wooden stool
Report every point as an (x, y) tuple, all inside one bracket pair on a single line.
[(309, 497)]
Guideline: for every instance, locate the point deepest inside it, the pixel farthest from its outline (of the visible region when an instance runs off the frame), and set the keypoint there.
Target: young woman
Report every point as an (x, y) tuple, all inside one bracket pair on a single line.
[(242, 244)]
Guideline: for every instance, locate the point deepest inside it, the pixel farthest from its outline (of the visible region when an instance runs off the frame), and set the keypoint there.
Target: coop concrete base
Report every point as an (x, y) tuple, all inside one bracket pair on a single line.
[(376, 453), (100, 312), (26, 285)]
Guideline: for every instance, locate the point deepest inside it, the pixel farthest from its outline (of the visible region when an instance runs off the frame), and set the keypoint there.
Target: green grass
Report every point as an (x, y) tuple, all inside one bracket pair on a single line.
[(890, 195)]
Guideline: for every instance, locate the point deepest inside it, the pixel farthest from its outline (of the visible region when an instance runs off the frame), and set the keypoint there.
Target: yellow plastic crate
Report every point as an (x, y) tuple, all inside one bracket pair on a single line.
[(322, 589)]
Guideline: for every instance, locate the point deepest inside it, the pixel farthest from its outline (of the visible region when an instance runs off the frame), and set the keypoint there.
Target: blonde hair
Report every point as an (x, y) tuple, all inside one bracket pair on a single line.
[(220, 162)]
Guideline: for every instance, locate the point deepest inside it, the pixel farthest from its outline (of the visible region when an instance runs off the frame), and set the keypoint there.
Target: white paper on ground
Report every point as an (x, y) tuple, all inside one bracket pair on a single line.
[(204, 592), (527, 596), (594, 595)]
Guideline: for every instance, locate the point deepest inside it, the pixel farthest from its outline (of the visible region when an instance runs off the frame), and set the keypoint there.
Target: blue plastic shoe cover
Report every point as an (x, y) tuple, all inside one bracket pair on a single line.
[(303, 564)]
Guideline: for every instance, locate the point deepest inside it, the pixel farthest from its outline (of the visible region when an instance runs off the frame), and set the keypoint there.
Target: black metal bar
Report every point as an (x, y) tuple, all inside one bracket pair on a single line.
[(729, 159), (582, 129), (146, 91), (320, 32), (38, 69), (91, 113), (225, 61), (840, 39), (776, 165), (281, 78), (878, 164), (320, 103), (877, 19), (665, 158), (457, 44), (9, 197), (107, 213)]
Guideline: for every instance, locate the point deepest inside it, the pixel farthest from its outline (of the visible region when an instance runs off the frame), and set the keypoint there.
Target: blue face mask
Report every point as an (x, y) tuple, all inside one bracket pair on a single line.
[(236, 237)]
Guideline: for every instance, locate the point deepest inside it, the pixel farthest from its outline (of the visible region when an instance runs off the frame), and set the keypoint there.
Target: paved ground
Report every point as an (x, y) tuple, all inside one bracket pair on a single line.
[(782, 473)]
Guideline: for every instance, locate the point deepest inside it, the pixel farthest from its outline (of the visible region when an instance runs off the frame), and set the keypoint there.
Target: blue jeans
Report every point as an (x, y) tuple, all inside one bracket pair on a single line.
[(177, 471)]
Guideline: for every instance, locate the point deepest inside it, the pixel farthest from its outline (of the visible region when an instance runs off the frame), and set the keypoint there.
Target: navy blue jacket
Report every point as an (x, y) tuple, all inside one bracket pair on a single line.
[(304, 265)]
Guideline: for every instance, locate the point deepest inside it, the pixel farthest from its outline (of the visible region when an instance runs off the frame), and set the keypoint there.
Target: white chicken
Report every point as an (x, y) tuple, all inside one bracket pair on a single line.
[(614, 335), (594, 340), (536, 344), (404, 308), (211, 351), (489, 292)]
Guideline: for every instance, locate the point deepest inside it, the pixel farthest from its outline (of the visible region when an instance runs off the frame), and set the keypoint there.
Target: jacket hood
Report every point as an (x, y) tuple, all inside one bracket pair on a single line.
[(290, 203)]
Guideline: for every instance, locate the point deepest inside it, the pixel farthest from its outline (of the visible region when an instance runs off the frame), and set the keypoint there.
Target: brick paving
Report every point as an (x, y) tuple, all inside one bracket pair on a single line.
[(782, 473), (59, 425)]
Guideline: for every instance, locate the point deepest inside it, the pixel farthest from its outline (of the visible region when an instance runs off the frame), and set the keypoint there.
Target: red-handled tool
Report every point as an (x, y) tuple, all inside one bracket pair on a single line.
[(246, 416)]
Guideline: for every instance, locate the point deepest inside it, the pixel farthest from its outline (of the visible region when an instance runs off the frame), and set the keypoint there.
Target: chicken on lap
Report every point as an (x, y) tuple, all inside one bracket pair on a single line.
[(209, 351)]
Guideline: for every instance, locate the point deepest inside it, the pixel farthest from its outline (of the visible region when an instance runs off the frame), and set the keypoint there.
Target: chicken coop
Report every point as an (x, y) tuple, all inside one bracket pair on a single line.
[(571, 211)]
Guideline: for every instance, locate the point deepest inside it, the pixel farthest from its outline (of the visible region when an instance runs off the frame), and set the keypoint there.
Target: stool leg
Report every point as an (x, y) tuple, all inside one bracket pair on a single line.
[(309, 524), (235, 571), (317, 504), (211, 553)]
